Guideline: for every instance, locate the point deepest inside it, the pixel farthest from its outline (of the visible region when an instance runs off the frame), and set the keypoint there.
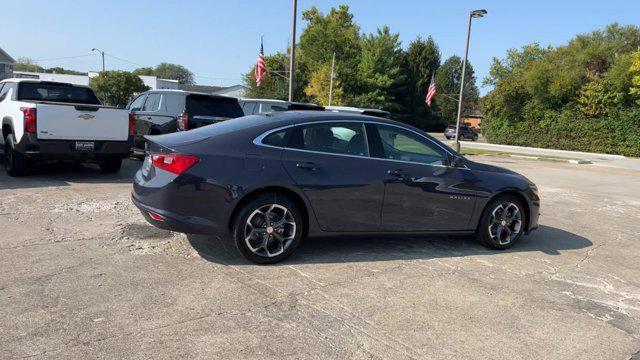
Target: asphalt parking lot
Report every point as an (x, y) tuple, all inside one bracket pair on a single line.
[(83, 276)]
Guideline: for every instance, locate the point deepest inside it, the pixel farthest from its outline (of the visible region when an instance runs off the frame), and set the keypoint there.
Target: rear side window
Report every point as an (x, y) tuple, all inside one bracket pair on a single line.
[(334, 138), (137, 103), (57, 93), (4, 89), (174, 103), (248, 108), (152, 103), (213, 106), (275, 139)]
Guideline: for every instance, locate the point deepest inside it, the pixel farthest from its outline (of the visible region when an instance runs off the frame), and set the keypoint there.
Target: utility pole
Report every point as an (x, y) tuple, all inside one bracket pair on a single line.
[(101, 53), (292, 61), (473, 14), (333, 62)]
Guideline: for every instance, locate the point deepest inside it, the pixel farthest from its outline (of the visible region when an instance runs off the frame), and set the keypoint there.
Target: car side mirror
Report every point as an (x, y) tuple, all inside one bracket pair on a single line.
[(456, 161)]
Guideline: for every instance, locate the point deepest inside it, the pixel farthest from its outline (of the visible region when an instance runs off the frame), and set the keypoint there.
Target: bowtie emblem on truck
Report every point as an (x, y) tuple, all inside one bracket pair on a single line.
[(86, 116)]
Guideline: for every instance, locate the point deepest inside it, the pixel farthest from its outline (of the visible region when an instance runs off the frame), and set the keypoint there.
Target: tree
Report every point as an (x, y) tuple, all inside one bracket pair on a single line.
[(380, 71), (144, 71), (29, 65), (319, 84), (421, 61), (325, 35), (173, 72), (448, 79), (635, 72), (116, 88), (597, 99), (275, 84)]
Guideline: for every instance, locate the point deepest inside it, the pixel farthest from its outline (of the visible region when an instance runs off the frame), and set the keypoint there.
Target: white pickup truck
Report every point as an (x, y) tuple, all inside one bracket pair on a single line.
[(43, 120)]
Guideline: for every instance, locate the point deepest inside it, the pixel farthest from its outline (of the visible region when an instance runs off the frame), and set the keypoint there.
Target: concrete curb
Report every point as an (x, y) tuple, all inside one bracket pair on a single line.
[(540, 151)]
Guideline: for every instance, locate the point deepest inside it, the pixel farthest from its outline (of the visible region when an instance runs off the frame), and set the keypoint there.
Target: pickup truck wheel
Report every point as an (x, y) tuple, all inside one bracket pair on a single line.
[(110, 166), (16, 164)]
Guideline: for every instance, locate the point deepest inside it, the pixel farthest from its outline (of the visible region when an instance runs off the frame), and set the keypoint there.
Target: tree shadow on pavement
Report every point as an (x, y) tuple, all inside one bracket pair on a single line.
[(548, 240), (63, 173)]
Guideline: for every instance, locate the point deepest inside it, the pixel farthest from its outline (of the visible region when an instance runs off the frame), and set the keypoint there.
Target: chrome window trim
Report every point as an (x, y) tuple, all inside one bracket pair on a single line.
[(258, 142)]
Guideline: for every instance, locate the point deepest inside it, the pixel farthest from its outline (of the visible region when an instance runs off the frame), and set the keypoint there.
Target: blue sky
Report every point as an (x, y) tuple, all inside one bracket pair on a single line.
[(219, 40)]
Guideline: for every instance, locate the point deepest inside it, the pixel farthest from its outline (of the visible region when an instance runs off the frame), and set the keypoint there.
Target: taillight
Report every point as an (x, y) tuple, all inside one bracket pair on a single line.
[(132, 124), (183, 121), (175, 163), (30, 119)]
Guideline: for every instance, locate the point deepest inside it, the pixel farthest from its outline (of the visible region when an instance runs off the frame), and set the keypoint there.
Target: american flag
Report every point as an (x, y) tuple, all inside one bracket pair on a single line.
[(431, 91), (261, 69)]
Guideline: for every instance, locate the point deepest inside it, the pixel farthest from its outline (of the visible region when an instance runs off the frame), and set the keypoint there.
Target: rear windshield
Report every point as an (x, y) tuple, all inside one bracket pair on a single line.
[(203, 105), (57, 93)]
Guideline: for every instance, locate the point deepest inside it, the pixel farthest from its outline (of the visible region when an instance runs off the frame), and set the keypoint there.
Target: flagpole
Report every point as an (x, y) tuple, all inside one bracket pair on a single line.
[(293, 51), (333, 62)]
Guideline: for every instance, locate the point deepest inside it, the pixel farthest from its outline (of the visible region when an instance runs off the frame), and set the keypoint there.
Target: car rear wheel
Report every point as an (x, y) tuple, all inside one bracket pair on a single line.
[(110, 166), (502, 223), (16, 164), (268, 229)]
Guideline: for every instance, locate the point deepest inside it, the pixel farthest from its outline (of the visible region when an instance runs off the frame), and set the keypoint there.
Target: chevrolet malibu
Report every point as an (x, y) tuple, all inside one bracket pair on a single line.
[(270, 181)]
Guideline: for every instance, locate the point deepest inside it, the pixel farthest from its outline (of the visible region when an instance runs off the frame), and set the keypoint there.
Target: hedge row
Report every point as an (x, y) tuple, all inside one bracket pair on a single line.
[(618, 133)]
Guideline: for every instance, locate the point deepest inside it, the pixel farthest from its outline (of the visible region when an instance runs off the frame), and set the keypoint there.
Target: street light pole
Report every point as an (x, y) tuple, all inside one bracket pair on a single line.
[(292, 58), (473, 14), (333, 62), (101, 53)]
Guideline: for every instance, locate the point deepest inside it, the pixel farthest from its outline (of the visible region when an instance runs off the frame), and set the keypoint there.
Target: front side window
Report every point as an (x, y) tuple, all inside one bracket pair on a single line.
[(335, 138), (404, 145), (152, 103)]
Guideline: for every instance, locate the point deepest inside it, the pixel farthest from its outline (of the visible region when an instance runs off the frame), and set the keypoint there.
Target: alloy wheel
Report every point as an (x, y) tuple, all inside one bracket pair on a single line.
[(505, 223), (270, 230)]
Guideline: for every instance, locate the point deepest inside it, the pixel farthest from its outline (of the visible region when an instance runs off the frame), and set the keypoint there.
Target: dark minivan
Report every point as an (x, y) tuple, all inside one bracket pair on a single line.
[(165, 111)]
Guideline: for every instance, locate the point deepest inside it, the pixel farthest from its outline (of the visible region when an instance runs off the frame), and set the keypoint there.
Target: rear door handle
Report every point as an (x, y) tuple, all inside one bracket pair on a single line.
[(307, 166), (396, 172)]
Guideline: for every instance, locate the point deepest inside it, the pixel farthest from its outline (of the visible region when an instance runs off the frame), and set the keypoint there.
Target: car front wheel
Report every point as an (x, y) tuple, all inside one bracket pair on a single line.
[(502, 223), (268, 229)]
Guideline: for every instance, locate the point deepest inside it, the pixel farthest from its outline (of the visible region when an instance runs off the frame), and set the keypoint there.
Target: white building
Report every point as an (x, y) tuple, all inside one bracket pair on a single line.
[(151, 81), (6, 64)]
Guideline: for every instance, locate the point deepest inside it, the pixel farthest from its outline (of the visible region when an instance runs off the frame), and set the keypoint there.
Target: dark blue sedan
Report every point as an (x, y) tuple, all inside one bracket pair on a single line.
[(271, 180)]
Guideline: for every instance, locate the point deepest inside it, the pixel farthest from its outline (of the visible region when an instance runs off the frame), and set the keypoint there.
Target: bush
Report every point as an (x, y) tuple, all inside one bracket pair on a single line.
[(616, 133)]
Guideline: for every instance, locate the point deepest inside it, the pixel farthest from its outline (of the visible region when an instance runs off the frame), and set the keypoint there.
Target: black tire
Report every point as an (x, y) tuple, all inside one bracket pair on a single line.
[(487, 236), (254, 211), (462, 138), (16, 164), (448, 137), (110, 166)]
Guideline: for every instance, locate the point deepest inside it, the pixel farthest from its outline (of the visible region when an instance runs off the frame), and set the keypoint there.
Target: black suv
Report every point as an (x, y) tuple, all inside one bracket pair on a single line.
[(165, 111), (466, 133)]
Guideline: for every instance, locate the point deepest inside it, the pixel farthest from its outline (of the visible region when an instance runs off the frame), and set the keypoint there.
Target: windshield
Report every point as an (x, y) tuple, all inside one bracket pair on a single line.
[(202, 105), (57, 93)]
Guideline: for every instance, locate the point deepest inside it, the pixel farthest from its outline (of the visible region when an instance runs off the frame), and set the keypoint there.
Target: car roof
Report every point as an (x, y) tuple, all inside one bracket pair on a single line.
[(176, 91), (281, 118), (38, 81)]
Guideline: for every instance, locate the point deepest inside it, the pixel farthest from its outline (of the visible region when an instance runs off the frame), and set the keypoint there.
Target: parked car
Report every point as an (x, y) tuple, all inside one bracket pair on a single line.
[(362, 111), (466, 133), (261, 106), (44, 120), (271, 180), (165, 111)]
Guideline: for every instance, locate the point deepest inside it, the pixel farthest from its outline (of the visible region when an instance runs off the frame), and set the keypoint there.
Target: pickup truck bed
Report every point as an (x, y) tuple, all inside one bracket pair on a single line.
[(41, 121)]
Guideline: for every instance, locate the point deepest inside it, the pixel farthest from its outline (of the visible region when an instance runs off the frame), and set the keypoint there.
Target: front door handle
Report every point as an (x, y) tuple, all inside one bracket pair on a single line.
[(307, 166)]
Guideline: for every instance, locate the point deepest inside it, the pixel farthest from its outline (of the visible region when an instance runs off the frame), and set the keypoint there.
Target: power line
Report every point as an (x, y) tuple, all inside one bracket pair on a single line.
[(65, 57)]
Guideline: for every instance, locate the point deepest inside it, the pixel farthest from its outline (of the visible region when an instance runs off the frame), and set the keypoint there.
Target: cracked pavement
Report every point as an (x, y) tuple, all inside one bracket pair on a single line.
[(83, 276)]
